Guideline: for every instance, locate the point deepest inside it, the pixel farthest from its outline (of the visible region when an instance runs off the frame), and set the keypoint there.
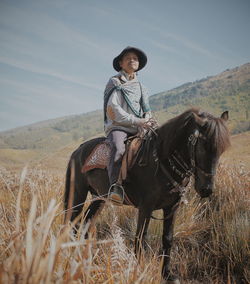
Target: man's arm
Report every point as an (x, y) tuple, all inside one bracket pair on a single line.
[(116, 113)]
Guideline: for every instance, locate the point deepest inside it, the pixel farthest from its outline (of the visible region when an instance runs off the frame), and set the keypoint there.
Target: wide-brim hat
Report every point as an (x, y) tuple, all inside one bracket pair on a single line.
[(142, 57)]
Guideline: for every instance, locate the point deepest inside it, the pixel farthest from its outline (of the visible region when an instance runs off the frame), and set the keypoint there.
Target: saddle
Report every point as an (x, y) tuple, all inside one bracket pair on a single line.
[(100, 155)]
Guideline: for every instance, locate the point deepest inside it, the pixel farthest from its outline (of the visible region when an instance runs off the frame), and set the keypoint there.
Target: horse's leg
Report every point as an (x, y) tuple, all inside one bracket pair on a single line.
[(144, 215), (167, 240), (92, 212)]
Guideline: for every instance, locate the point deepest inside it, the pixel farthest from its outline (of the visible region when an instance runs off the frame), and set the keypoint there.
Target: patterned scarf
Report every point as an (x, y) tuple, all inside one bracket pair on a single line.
[(133, 94)]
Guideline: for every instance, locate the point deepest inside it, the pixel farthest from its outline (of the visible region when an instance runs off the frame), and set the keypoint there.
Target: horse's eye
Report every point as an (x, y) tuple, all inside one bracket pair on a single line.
[(204, 127)]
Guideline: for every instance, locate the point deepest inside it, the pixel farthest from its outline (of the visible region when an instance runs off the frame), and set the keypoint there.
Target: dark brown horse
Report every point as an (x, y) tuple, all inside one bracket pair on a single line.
[(189, 144)]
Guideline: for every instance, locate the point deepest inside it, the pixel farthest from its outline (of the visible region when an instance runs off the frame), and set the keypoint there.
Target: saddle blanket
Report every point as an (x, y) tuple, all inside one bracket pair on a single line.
[(98, 158), (100, 155)]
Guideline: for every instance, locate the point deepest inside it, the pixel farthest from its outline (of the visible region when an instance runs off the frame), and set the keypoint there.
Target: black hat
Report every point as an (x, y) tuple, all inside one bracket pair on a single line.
[(142, 57)]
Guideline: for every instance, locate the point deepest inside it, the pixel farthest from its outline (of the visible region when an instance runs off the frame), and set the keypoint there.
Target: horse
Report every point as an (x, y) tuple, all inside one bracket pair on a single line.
[(189, 144)]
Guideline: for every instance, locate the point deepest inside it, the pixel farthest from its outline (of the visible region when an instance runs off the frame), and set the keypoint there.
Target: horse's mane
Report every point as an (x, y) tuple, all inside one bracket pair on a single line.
[(215, 129)]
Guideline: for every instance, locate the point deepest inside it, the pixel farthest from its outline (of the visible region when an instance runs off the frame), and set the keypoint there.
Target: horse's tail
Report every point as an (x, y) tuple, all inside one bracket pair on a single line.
[(69, 189), (76, 184), (67, 186)]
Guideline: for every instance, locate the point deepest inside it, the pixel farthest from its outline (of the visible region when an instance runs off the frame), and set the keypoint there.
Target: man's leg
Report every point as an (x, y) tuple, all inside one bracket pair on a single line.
[(116, 139)]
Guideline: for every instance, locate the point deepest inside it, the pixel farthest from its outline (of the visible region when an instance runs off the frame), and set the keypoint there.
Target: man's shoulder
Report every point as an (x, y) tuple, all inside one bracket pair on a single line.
[(114, 80)]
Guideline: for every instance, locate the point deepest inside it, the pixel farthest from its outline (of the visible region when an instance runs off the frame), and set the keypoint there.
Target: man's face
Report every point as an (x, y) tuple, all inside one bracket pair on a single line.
[(129, 62)]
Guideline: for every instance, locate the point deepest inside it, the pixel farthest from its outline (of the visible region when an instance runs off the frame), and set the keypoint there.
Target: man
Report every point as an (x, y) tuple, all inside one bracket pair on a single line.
[(126, 108)]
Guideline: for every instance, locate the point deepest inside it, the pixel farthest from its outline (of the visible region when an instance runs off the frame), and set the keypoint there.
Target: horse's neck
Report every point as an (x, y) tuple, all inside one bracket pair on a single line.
[(174, 155), (166, 145)]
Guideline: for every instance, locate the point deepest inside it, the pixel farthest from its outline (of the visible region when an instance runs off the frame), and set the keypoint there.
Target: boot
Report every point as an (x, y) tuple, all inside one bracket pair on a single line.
[(116, 194)]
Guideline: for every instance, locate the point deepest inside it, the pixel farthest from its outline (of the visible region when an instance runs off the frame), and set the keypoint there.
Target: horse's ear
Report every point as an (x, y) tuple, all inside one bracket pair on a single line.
[(199, 120), (225, 116)]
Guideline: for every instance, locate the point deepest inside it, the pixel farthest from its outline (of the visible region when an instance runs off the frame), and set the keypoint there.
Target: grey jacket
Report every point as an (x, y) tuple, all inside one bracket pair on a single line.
[(126, 104)]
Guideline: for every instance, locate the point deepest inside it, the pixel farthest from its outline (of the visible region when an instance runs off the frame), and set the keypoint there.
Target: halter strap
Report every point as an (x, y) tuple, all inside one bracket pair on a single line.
[(176, 158)]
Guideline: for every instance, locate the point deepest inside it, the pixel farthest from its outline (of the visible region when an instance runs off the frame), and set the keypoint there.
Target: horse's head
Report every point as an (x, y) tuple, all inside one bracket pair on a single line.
[(210, 138), (193, 142)]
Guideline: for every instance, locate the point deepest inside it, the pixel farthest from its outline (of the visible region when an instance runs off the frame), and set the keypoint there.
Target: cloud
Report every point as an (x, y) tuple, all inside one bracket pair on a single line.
[(165, 47), (29, 102), (31, 22), (162, 34), (36, 42), (24, 89), (189, 44), (52, 98), (29, 31), (159, 34), (43, 71)]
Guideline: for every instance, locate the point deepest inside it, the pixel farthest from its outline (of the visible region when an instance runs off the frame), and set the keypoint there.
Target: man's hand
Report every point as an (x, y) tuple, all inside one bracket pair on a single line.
[(142, 122), (146, 124)]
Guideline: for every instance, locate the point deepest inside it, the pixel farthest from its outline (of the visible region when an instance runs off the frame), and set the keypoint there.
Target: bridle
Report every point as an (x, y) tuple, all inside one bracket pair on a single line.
[(180, 167), (193, 139)]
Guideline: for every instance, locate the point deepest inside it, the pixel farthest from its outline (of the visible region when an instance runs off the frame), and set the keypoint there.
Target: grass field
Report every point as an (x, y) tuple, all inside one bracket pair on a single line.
[(211, 238)]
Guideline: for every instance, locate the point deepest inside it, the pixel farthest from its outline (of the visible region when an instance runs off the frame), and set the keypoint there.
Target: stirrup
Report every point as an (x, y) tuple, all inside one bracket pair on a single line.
[(116, 194)]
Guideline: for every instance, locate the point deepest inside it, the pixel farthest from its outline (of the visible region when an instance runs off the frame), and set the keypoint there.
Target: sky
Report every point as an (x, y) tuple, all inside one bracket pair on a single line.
[(56, 55)]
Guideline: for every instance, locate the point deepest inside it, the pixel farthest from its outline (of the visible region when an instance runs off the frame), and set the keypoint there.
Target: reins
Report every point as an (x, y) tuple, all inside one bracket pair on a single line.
[(176, 158), (148, 137), (188, 171), (177, 164)]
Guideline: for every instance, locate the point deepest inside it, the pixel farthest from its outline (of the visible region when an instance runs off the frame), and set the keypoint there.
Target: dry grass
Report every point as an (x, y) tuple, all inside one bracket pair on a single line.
[(211, 238)]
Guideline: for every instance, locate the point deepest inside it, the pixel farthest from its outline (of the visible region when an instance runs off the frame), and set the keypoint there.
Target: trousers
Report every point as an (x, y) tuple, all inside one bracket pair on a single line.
[(116, 140)]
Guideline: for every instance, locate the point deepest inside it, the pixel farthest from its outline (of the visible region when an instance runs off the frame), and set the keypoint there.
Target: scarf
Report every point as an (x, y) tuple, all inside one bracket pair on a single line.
[(132, 92)]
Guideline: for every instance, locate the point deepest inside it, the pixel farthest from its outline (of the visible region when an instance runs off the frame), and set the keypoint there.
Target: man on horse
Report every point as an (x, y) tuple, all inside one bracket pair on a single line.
[(126, 108)]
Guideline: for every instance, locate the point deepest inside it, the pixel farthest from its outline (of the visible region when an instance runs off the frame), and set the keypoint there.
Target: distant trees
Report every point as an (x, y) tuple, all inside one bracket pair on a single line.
[(241, 127)]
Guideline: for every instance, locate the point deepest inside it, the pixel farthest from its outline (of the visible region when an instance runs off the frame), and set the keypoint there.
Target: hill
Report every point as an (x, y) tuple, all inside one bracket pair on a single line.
[(53, 134), (229, 90), (238, 154)]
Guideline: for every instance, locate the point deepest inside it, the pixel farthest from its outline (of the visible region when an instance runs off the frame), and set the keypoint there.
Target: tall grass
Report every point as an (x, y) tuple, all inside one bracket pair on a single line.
[(211, 237)]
